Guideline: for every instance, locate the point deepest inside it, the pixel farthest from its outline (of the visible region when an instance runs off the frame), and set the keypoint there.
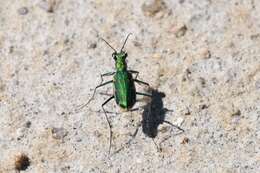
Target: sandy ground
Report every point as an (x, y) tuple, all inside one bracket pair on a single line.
[(200, 57)]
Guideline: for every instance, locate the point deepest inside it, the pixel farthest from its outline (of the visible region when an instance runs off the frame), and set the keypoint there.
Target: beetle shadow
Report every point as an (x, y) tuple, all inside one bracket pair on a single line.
[(154, 114)]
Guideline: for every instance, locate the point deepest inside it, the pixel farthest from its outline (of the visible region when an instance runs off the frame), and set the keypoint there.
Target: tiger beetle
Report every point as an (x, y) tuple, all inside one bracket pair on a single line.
[(124, 84)]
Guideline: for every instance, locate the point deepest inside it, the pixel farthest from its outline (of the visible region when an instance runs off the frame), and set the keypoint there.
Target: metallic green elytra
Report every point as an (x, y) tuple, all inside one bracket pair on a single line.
[(124, 87), (124, 84)]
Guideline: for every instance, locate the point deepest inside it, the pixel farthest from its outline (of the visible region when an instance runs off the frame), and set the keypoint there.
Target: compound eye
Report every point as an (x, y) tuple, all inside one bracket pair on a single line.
[(114, 55), (126, 55)]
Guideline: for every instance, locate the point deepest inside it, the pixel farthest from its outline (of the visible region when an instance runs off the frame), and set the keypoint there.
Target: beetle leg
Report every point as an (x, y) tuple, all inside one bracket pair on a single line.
[(106, 74), (134, 72), (130, 140), (144, 94), (141, 82), (110, 131), (100, 85), (135, 78), (91, 98), (168, 122)]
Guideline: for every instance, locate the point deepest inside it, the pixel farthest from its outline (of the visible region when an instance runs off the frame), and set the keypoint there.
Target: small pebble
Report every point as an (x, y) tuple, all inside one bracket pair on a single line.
[(28, 124), (22, 162), (185, 140), (20, 132), (23, 11), (206, 54), (202, 82), (187, 111), (236, 113), (203, 106), (58, 133), (97, 133), (137, 44), (181, 31), (92, 46), (47, 5), (11, 49), (153, 8)]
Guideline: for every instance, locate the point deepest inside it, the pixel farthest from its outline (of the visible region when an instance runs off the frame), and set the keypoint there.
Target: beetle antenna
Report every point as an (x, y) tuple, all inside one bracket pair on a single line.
[(125, 41), (108, 44)]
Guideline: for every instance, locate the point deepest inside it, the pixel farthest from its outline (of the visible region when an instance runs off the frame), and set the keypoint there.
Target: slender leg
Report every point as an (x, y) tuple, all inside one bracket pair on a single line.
[(141, 82), (110, 131), (134, 72), (175, 126), (130, 140), (135, 78), (167, 122), (91, 98), (106, 74), (144, 94), (101, 84)]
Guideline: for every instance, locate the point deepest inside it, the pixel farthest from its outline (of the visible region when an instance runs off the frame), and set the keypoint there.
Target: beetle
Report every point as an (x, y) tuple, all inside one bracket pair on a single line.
[(124, 84)]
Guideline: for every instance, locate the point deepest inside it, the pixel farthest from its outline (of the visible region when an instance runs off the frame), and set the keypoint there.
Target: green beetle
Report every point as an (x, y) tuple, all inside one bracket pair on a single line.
[(124, 84)]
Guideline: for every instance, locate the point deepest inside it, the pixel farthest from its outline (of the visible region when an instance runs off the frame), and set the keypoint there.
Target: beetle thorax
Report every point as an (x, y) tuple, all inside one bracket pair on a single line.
[(120, 61), (120, 64)]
